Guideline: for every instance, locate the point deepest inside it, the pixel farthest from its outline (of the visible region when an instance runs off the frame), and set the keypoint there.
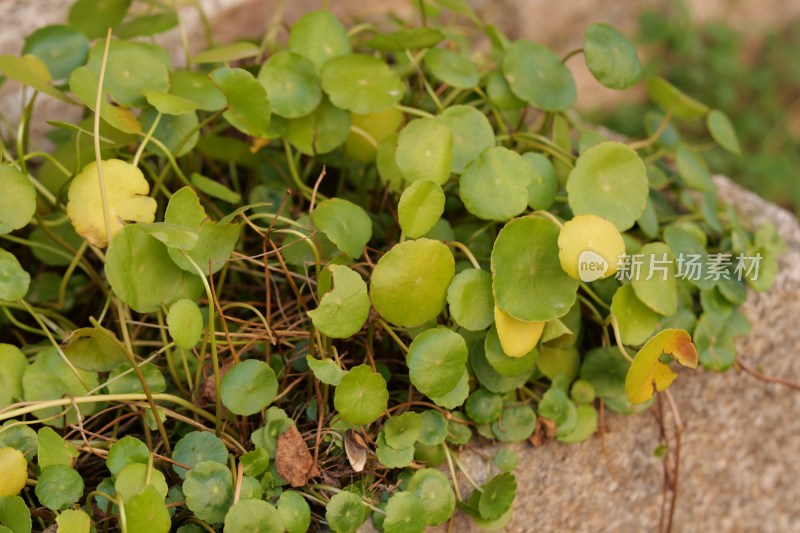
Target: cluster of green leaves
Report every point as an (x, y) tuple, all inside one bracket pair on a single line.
[(207, 343), (753, 78)]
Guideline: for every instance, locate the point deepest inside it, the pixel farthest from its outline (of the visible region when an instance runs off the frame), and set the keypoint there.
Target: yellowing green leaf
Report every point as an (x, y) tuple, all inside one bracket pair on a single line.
[(647, 370), (126, 192), (589, 247), (516, 337), (15, 471)]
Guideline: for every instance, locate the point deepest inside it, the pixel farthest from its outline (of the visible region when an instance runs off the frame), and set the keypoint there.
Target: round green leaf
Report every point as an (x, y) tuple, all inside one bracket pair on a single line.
[(58, 487), (254, 515), (404, 514), (94, 18), (248, 104), (723, 132), (129, 382), (320, 132), (504, 364), (14, 513), (135, 477), (433, 428), (197, 447), (472, 134), (368, 131), (529, 283), (292, 84), (196, 86), (347, 225), (392, 457), (500, 94), (60, 48), (660, 291), (132, 67), (483, 407), (609, 180), (30, 70), (15, 471), (96, 349), (516, 423), (425, 150), (169, 104), (544, 180), (436, 361), (295, 512), (12, 366), (185, 323), (325, 370), (343, 310), (693, 169), (506, 460), (402, 431), (495, 186), (455, 397), (361, 83), (497, 496), (52, 450), (344, 512), (73, 521), (420, 207), (434, 491), (248, 387), (209, 491), (319, 36), (535, 74), (147, 25), (670, 98), (611, 57), (147, 513), (227, 53), (126, 451), (637, 322), (470, 299), (451, 68), (14, 281), (585, 426), (409, 283), (406, 39), (361, 397), (488, 376)]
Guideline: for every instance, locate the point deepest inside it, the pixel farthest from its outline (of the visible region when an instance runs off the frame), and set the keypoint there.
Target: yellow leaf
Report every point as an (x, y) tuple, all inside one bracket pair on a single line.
[(647, 370), (126, 194), (14, 470), (517, 338), (589, 247)]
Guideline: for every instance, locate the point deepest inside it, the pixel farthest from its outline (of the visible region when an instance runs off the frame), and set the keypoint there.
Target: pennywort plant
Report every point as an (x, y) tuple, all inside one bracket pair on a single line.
[(277, 286)]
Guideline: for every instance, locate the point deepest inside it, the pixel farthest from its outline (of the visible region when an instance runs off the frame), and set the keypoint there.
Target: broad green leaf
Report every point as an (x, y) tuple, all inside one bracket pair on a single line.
[(516, 423), (451, 68), (126, 197), (209, 491), (14, 514), (611, 57), (227, 53), (12, 366), (343, 310), (361, 83), (344, 512), (637, 322), (409, 283), (605, 370), (60, 48), (20, 437), (361, 396), (248, 387), (170, 104), (535, 74), (497, 496), (420, 207), (406, 39), (495, 185), (132, 67), (94, 18), (483, 406), (134, 256), (505, 364), (458, 430), (404, 514), (248, 104), (517, 337), (425, 151), (135, 477), (434, 491), (319, 36), (147, 25), (196, 86), (472, 134), (456, 396), (346, 224), (647, 369), (147, 513), (393, 457), (529, 283), (433, 428), (609, 180), (721, 129), (295, 512), (402, 431), (185, 323), (436, 361), (544, 181), (83, 84), (292, 84), (254, 515), (95, 349), (585, 426), (671, 99), (488, 376), (53, 450), (14, 281), (59, 487), (693, 169), (197, 447), (589, 248), (172, 235), (320, 132), (500, 94), (15, 471), (555, 360), (367, 133), (654, 283), (122, 380), (470, 300), (126, 451), (325, 370), (31, 71)]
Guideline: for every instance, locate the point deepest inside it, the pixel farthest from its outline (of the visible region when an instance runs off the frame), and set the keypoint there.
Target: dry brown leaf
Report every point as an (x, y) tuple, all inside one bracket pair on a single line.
[(293, 460)]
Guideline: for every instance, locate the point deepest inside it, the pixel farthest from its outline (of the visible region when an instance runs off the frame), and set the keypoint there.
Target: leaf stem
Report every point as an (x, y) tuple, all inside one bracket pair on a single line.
[(96, 130)]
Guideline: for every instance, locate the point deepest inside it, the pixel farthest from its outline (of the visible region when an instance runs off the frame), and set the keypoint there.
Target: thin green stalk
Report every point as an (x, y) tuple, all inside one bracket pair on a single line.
[(388, 329), (97, 155)]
